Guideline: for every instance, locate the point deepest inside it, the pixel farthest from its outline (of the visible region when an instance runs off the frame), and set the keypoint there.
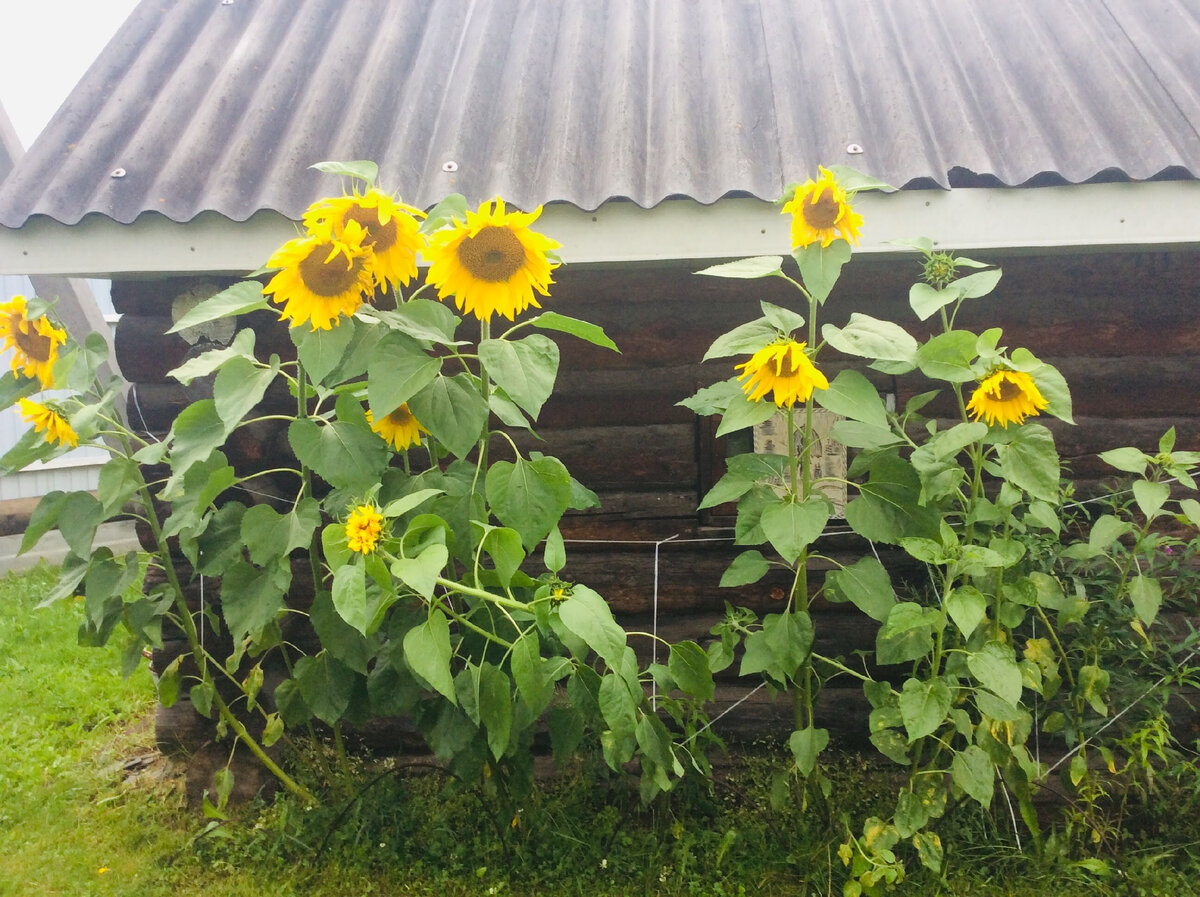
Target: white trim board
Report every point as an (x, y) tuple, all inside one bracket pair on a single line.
[(1161, 214)]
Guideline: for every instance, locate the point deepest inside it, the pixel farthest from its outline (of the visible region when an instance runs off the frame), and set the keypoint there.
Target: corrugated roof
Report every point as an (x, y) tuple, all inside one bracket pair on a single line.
[(221, 105)]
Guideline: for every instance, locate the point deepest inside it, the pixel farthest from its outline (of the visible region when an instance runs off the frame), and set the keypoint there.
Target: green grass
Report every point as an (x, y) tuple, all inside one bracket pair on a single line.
[(69, 808)]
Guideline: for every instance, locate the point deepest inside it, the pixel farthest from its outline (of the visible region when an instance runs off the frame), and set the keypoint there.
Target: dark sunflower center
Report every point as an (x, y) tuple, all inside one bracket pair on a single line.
[(822, 214), (494, 254), (330, 278), (400, 417), (1007, 391), (34, 344), (381, 236)]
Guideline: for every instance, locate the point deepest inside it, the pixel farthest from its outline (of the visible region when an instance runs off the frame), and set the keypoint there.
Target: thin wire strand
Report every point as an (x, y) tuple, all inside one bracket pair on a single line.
[(654, 625)]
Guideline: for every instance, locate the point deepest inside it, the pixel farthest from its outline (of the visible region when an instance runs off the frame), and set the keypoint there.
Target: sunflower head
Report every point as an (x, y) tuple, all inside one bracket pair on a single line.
[(939, 269), (1005, 397), (35, 342), (821, 212), (399, 428), (49, 423), (322, 276), (782, 368), (363, 528), (492, 263), (392, 231)]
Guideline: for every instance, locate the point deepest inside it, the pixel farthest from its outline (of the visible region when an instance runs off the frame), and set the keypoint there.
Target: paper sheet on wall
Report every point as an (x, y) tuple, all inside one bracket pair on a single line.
[(828, 456)]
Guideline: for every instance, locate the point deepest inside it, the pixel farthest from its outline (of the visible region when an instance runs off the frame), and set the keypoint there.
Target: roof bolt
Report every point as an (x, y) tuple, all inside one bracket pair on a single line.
[(854, 149), (118, 173), (450, 166), (227, 2)]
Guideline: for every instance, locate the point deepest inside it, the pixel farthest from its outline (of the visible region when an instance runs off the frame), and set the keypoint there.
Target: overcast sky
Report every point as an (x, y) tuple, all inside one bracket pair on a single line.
[(45, 48)]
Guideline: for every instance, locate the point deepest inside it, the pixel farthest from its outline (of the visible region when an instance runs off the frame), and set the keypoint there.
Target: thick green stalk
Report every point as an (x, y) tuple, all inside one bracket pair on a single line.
[(201, 656)]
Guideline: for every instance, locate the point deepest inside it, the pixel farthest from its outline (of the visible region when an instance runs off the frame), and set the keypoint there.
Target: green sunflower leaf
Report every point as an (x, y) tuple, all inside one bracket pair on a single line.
[(745, 339), (820, 267), (584, 330), (453, 411), (239, 299), (529, 496), (867, 337), (747, 268), (525, 369), (399, 368)]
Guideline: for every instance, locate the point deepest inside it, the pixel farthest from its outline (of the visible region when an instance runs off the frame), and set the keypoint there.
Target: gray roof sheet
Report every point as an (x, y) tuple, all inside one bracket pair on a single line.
[(213, 105)]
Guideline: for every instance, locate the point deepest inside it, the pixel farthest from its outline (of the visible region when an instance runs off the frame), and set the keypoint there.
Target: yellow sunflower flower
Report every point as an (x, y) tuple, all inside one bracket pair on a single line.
[(363, 527), (34, 342), (820, 211), (491, 263), (1006, 397), (392, 230), (399, 428), (50, 422), (323, 275), (784, 368)]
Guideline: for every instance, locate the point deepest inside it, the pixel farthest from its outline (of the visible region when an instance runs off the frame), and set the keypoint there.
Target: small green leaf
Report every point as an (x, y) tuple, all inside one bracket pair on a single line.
[(745, 339), (972, 771), (529, 674), (503, 546), (791, 526), (996, 669), (399, 368), (1146, 595), (1030, 461), (926, 301), (427, 652), (782, 319), (588, 616), (924, 706), (1150, 496), (820, 267), (251, 597), (320, 351), (866, 584), (948, 356), (453, 411), (747, 268), (239, 299), (747, 567), (524, 369), (688, 664), (529, 496), (742, 414), (555, 554), (350, 596), (853, 396), (806, 745), (1128, 459), (420, 573), (967, 607), (204, 364), (584, 330), (868, 337), (363, 170)]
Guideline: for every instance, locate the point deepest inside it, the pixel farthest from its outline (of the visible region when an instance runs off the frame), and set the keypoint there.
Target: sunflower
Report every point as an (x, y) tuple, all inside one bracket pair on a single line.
[(399, 428), (492, 263), (48, 421), (1006, 397), (785, 368), (392, 230), (323, 275), (820, 211), (363, 527), (34, 342)]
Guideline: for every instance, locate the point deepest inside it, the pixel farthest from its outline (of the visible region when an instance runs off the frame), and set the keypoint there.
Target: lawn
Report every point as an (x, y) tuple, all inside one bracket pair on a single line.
[(88, 807)]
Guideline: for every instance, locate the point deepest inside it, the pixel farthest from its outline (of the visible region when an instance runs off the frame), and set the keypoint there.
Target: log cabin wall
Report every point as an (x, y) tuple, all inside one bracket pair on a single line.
[(1123, 327)]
